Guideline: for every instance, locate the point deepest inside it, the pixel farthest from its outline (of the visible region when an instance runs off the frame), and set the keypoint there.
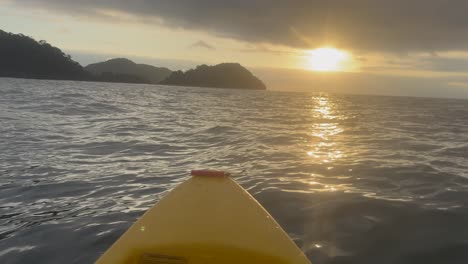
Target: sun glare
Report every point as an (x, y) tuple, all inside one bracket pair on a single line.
[(327, 59)]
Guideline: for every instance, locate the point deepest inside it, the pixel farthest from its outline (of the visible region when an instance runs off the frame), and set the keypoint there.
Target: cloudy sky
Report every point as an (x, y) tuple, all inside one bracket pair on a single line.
[(397, 47)]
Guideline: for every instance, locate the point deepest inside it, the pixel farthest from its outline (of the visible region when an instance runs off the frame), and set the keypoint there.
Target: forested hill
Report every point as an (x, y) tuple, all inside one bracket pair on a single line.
[(24, 57), (224, 75), (125, 66)]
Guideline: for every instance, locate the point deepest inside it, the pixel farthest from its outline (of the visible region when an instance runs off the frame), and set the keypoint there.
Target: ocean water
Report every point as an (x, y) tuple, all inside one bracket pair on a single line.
[(352, 179)]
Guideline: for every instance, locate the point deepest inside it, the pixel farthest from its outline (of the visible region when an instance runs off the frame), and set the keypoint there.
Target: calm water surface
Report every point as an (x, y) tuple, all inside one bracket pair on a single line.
[(352, 179)]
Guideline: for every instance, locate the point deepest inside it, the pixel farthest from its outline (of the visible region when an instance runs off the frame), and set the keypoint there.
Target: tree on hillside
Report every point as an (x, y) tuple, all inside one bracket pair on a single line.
[(23, 57)]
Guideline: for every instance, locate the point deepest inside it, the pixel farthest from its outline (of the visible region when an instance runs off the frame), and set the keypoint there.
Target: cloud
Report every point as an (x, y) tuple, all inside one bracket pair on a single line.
[(459, 84), (63, 30), (250, 48), (87, 57), (202, 44), (446, 64), (363, 83), (430, 63), (366, 25)]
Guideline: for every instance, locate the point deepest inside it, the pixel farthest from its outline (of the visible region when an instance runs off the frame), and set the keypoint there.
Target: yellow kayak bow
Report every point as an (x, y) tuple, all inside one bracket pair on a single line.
[(208, 219)]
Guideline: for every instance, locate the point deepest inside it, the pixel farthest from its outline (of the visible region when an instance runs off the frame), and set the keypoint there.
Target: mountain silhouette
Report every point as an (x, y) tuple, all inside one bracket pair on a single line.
[(24, 57), (224, 75), (127, 67)]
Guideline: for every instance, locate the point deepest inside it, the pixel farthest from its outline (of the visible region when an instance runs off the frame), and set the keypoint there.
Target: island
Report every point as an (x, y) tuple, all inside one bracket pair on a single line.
[(23, 57), (224, 75), (123, 66)]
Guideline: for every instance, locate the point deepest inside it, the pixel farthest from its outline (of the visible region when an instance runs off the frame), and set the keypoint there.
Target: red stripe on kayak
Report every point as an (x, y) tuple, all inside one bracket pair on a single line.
[(209, 173)]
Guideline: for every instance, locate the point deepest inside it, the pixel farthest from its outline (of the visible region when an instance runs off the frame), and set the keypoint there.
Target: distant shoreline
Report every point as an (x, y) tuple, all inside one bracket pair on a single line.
[(24, 57), (152, 84)]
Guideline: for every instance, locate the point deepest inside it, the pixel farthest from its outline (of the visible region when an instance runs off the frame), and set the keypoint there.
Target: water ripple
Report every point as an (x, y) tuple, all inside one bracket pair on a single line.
[(352, 179)]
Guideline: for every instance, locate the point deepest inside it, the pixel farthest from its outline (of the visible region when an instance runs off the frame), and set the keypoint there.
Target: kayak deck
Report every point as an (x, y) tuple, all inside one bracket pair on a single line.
[(205, 220)]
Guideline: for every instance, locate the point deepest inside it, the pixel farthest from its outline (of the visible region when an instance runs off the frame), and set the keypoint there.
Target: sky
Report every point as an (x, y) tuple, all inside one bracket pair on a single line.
[(399, 47)]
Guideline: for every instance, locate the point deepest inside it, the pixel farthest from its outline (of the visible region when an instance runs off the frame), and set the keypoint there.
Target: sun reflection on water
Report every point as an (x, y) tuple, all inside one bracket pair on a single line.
[(323, 148)]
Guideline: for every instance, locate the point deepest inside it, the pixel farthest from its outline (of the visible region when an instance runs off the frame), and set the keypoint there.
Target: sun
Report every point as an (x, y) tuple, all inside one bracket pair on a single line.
[(327, 59)]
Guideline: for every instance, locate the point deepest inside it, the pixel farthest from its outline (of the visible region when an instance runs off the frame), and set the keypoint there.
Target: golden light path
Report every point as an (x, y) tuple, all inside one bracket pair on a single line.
[(325, 149), (328, 59)]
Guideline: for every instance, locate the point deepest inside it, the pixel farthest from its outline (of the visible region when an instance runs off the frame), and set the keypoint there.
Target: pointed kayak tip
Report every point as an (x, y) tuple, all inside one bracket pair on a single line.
[(210, 173)]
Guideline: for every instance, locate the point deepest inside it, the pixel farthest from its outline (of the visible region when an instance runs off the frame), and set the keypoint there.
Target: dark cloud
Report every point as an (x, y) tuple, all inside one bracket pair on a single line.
[(367, 25), (263, 49), (202, 44), (446, 64)]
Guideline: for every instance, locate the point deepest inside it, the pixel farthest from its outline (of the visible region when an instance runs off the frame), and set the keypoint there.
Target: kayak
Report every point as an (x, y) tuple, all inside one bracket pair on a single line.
[(207, 219)]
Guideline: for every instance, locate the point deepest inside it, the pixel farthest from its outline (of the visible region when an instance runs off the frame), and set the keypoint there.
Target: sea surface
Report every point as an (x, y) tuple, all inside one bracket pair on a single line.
[(352, 179)]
